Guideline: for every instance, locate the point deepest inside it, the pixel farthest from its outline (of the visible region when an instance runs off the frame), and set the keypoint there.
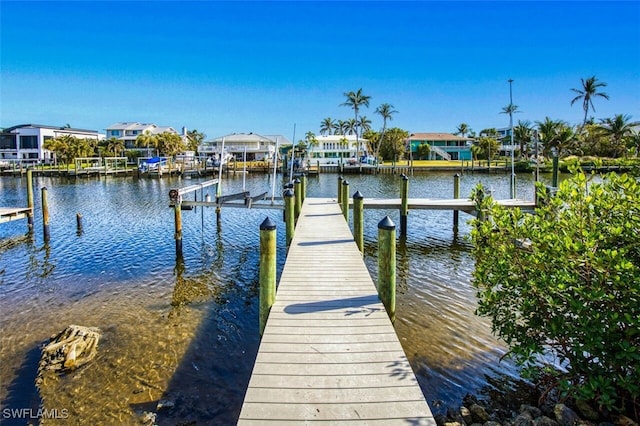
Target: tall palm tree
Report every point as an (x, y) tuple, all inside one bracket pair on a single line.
[(618, 129), (327, 126), (586, 93), (356, 100), (385, 111)]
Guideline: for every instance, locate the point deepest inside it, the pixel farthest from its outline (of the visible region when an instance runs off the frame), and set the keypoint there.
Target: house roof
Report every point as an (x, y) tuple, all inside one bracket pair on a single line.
[(437, 137), (243, 137), (40, 126)]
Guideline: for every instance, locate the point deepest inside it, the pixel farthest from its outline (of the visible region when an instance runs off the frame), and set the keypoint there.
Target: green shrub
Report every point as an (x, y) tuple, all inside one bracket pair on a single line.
[(562, 286)]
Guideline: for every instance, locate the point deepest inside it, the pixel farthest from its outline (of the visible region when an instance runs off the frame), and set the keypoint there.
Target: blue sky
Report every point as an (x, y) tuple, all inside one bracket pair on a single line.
[(263, 67)]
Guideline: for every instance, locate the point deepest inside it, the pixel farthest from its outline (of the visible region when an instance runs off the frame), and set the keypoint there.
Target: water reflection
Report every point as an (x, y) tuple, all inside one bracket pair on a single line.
[(184, 330)]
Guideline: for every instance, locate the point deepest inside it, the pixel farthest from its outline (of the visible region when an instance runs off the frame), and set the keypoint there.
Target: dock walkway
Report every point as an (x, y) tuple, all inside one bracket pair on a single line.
[(7, 214), (329, 353)]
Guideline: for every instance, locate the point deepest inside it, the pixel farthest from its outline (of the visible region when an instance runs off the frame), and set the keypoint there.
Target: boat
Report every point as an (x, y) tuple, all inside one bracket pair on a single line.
[(152, 164)]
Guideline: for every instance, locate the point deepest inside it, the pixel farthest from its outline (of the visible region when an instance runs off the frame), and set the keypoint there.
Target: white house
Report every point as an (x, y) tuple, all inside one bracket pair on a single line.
[(336, 149), (128, 132), (25, 142), (257, 147)]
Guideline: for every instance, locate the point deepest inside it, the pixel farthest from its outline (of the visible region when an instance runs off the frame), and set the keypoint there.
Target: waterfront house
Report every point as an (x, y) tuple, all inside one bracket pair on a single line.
[(128, 132), (337, 149), (443, 146), (25, 142), (257, 147)]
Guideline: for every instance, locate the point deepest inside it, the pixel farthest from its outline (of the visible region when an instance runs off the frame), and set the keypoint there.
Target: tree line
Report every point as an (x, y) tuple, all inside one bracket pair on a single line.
[(613, 137), (67, 147)]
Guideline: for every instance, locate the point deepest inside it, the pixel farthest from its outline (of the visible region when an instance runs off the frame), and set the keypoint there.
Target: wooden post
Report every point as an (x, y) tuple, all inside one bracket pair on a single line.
[(404, 208), (318, 163), (340, 179), (267, 270), (45, 215), (345, 199), (289, 214), (358, 220), (514, 192), (554, 176), (29, 199), (177, 214), (303, 187), (387, 265), (79, 222), (456, 195), (297, 189)]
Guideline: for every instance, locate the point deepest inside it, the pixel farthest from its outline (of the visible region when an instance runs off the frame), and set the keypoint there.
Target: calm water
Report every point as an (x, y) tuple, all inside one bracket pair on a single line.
[(185, 331)]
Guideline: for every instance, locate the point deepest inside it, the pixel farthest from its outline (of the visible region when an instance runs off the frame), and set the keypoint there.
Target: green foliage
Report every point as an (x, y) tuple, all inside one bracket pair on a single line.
[(563, 285)]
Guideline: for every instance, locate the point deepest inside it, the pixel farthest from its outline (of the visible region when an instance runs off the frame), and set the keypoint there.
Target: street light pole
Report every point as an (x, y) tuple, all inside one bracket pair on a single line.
[(513, 173)]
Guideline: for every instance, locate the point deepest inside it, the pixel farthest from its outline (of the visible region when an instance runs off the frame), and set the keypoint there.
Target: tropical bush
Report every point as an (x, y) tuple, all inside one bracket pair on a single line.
[(562, 287)]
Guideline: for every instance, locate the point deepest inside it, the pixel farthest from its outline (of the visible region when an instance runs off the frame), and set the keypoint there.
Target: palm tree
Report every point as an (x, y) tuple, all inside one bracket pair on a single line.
[(194, 139), (114, 146), (355, 100), (385, 111), (463, 129), (618, 129), (522, 134), (555, 134), (351, 127), (365, 124), (588, 91), (147, 140), (340, 127), (327, 126)]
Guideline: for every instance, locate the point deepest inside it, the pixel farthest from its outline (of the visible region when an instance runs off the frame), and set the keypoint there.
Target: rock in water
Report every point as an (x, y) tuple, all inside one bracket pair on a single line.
[(70, 349)]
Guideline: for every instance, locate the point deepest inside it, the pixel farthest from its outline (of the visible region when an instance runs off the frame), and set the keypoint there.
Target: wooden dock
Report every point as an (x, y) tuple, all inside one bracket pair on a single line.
[(462, 204), (329, 353), (7, 214)]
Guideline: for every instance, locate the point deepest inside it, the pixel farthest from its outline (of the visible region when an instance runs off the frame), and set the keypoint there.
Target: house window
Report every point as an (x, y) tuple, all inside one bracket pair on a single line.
[(28, 142), (7, 141), (114, 133)]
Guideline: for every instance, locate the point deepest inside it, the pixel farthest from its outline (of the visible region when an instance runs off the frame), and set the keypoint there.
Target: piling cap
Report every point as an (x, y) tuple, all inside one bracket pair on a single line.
[(289, 185), (404, 177), (340, 178), (345, 182), (387, 224), (296, 180), (358, 196), (288, 193), (267, 225)]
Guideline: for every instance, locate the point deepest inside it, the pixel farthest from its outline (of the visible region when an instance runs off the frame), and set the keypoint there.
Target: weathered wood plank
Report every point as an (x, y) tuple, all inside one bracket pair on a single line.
[(329, 352)]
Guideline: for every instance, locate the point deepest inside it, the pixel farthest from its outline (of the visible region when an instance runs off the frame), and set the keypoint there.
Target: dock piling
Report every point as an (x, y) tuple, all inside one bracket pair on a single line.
[(30, 199), (456, 195), (289, 214), (177, 213), (45, 215), (345, 199), (358, 220), (297, 190), (267, 270), (404, 209), (387, 265), (79, 222), (340, 179)]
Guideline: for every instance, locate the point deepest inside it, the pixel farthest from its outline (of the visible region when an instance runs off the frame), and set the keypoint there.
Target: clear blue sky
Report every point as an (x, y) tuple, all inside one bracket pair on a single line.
[(225, 67)]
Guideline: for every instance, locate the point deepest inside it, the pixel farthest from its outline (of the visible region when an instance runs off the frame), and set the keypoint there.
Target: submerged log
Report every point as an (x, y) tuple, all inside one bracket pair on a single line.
[(68, 350)]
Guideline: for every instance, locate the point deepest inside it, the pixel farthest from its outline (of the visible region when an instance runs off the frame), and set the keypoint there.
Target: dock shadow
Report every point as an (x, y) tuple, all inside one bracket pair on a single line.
[(320, 243), (330, 305), (22, 391)]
